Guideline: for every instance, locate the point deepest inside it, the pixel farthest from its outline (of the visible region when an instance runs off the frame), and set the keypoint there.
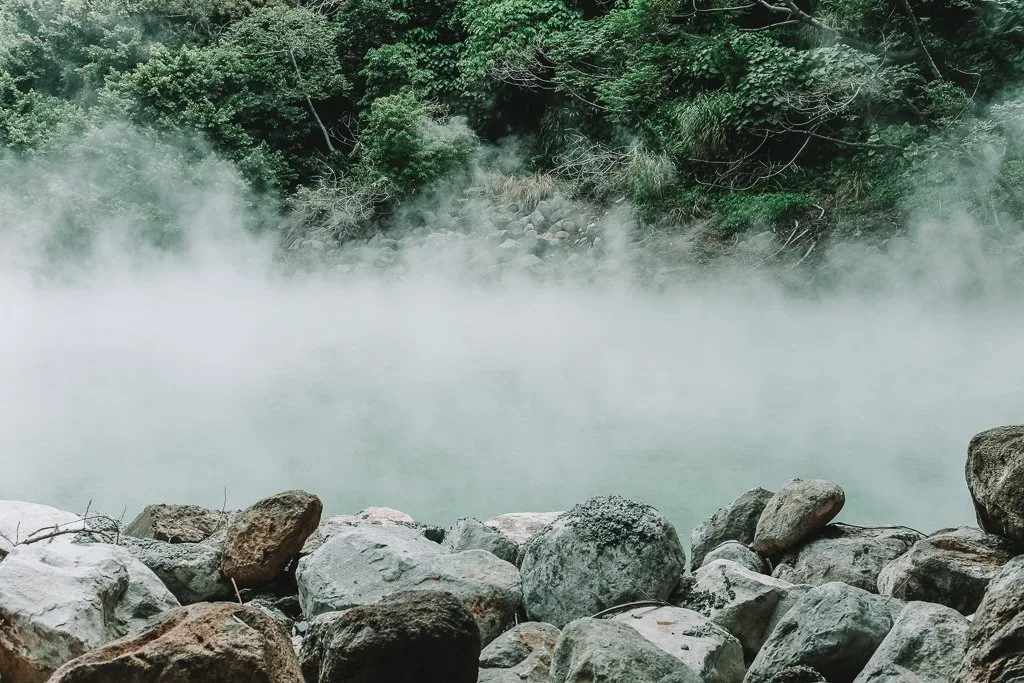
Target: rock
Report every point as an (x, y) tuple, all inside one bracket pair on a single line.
[(223, 642), (926, 645), (191, 571), (601, 651), (177, 523), (411, 636), (995, 639), (470, 534), (58, 601), (794, 514), (833, 629), (521, 527), (267, 535), (332, 526), (366, 563), (853, 555), (521, 654), (744, 603), (20, 522), (995, 478), (605, 552), (737, 521), (799, 674), (951, 567), (513, 646), (735, 551), (708, 650)]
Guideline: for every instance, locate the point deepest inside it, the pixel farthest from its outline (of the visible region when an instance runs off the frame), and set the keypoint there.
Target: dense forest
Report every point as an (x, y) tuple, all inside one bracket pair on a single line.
[(842, 114)]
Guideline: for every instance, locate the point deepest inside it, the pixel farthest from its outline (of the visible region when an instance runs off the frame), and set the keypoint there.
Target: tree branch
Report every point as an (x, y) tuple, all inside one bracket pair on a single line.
[(915, 31), (309, 101)]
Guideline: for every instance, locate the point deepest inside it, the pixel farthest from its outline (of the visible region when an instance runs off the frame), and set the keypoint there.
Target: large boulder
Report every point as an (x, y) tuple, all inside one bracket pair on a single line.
[(191, 571), (366, 563), (926, 645), (853, 555), (601, 651), (332, 526), (734, 551), (795, 513), (995, 477), (737, 521), (471, 534), (833, 629), (269, 534), (951, 567), (60, 601), (602, 553), (223, 642), (21, 522), (177, 523), (411, 636), (708, 650), (745, 603), (995, 640)]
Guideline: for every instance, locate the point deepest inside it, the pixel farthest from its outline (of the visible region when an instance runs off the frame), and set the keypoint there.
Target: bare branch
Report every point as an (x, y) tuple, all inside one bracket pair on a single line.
[(915, 31)]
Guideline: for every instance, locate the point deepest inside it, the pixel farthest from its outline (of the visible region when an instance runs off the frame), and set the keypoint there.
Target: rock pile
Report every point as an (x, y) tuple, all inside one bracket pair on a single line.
[(777, 591)]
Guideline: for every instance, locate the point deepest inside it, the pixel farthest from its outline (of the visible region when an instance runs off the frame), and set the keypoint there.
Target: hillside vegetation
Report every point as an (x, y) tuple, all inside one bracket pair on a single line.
[(741, 114)]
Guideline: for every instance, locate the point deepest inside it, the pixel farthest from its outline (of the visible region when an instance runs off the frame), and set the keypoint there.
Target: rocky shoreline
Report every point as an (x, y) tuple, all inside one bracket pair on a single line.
[(775, 590)]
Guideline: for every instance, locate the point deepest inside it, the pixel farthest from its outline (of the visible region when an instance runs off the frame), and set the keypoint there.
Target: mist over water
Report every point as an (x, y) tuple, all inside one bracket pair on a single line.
[(148, 379)]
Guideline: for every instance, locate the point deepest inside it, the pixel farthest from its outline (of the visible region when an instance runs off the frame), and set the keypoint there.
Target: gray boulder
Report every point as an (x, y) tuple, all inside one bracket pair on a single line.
[(734, 551), (605, 552), (366, 563), (332, 526), (737, 521), (745, 603), (20, 522), (995, 477), (410, 636), (795, 513), (926, 645), (833, 629), (191, 571), (520, 654), (995, 640), (471, 534), (853, 555), (177, 523), (58, 601), (707, 649), (600, 651), (951, 567)]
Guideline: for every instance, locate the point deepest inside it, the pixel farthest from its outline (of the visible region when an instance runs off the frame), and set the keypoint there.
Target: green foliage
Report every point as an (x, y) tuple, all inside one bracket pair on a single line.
[(247, 92), (742, 210), (683, 107), (406, 143)]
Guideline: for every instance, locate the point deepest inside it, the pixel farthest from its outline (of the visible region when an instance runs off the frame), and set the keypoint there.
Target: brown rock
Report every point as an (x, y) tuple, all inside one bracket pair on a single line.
[(266, 536), (177, 523), (222, 642), (799, 510)]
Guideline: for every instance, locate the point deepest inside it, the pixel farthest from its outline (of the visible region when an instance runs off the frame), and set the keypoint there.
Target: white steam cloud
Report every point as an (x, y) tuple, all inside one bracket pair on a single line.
[(153, 376)]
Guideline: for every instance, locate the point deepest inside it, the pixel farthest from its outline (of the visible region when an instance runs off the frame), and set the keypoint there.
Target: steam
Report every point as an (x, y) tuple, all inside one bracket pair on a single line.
[(442, 376)]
